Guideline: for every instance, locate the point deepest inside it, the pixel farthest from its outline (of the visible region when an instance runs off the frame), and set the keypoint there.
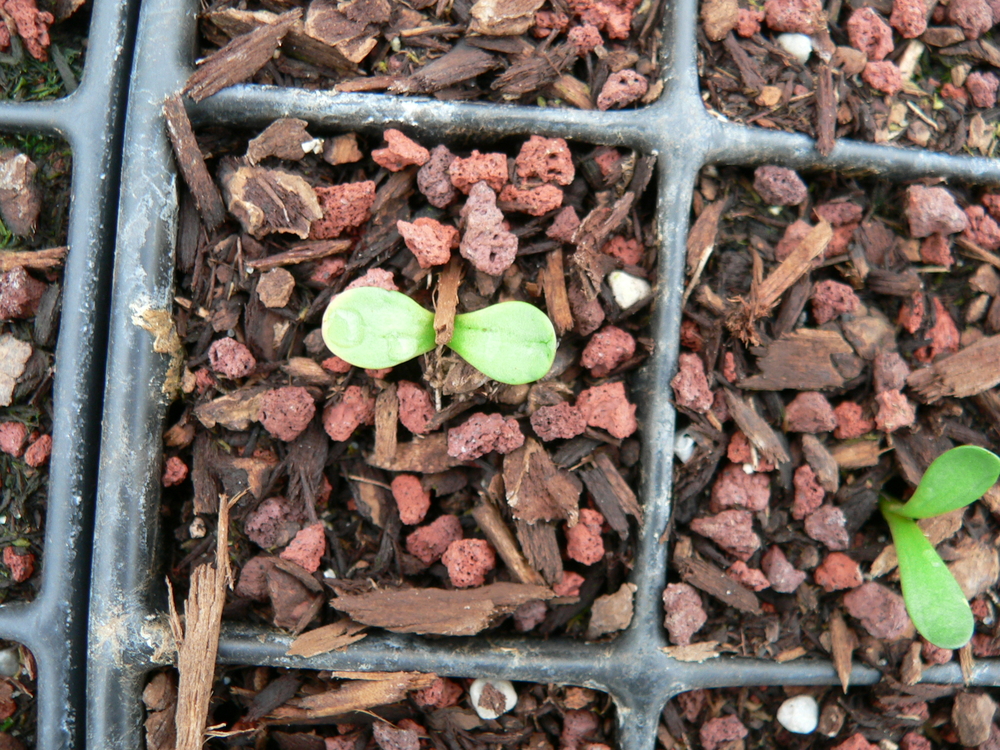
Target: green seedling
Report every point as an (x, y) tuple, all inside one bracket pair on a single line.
[(933, 597), (512, 342)]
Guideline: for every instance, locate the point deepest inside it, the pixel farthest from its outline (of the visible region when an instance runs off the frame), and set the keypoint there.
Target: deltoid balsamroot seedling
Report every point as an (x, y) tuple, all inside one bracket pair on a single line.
[(512, 342), (933, 597)]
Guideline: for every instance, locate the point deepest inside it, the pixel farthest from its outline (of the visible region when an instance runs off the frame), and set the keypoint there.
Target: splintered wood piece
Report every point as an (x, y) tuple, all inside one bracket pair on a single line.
[(240, 59), (758, 432), (606, 500), (461, 63), (807, 359), (536, 489), (333, 637), (971, 371), (973, 250), (843, 641), (282, 138), (301, 252), (437, 611), (429, 455), (822, 462), (265, 201), (701, 242), (753, 81), (857, 454), (342, 149), (275, 288), (234, 411), (370, 492), (553, 278), (356, 695), (623, 493), (541, 548), (447, 301), (38, 260), (386, 419), (705, 576), (488, 517), (826, 110), (192, 164), (936, 530), (595, 228), (611, 612)]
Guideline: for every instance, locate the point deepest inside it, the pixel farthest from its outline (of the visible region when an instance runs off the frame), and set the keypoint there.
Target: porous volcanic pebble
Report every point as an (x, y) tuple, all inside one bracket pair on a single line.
[(914, 741), (253, 578), (778, 186), (468, 561), (932, 210), (21, 566), (388, 737), (586, 38), (627, 250), (831, 298), (889, 371), (750, 577), (440, 694), (19, 294), (881, 611), (400, 152), (429, 240), (286, 412), (944, 335), (721, 730), (175, 471), (583, 541), (607, 407), (536, 201), (796, 16), (577, 725), (782, 574), (734, 488), (411, 498), (894, 411), (488, 168), (621, 89), (982, 88), (982, 229), (911, 312), (791, 238), (307, 547), (685, 615), (909, 17), (936, 249), (808, 492), (545, 159), (530, 615), (482, 433), (829, 526), (691, 389), (336, 365), (587, 313), (838, 571), (739, 453), (429, 542), (850, 421), (560, 421), (856, 741), (380, 278), (356, 408), (231, 359), (748, 21), (485, 242), (39, 451), (732, 530), (415, 407), (869, 33), (884, 76), (974, 17), (569, 584), (810, 412), (12, 438), (564, 226), (433, 179), (344, 207), (272, 523), (935, 654), (839, 213)]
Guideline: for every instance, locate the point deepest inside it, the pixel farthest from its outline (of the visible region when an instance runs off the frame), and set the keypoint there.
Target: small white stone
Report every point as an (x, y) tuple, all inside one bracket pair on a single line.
[(799, 715), (798, 46), (684, 446), (197, 529), (314, 146), (10, 662), (504, 686), (628, 289)]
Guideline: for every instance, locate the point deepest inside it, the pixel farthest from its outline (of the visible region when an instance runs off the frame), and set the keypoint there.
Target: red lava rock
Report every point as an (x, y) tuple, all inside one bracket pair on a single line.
[(749, 577), (608, 348), (546, 159), (974, 17), (564, 226), (290, 599), (890, 371), (783, 576), (911, 313), (400, 152), (21, 566), (691, 389), (613, 16), (327, 270), (546, 22), (482, 433), (856, 741), (936, 249), (982, 230), (231, 359), (992, 203), (808, 492), (273, 523), (486, 243), (685, 615), (587, 313), (344, 207), (628, 251), (12, 438), (881, 611), (412, 499), (944, 335), (778, 186), (933, 211), (883, 76), (336, 365), (379, 374), (621, 89), (950, 91), (914, 741), (798, 16), (429, 542), (388, 737), (980, 609), (691, 337), (840, 212), (748, 21), (830, 299), (433, 179), (569, 584), (286, 412), (838, 571), (203, 380), (306, 549), (739, 452), (355, 409), (909, 17), (935, 654), (429, 240), (793, 235), (560, 421), (586, 38), (583, 541), (415, 407), (718, 731), (488, 168), (38, 452), (734, 488), (869, 33), (379, 278), (441, 693), (809, 412), (982, 87), (253, 578), (894, 411), (32, 26), (536, 201), (530, 615), (850, 421), (842, 237), (829, 526), (468, 561), (577, 724), (732, 530), (19, 294), (729, 367), (607, 407), (608, 162), (175, 471)]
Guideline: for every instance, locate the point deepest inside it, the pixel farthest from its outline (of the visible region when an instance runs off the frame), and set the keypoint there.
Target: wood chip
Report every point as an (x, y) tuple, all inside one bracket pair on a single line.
[(342, 149), (912, 668), (234, 411), (822, 462), (857, 454), (611, 612), (498, 533), (283, 139), (553, 279), (266, 201), (192, 164), (697, 652), (843, 641), (14, 356), (807, 359), (714, 582), (334, 637), (427, 455), (701, 242), (936, 529), (447, 301), (357, 695), (971, 371), (760, 433), (541, 548), (826, 110), (462, 63), (790, 655), (302, 252), (38, 260), (623, 493), (386, 424), (275, 288), (536, 490), (503, 17)]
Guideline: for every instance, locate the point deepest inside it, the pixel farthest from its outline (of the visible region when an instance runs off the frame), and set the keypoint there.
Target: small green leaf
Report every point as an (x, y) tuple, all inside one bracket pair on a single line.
[(933, 597), (512, 342), (955, 479), (374, 328)]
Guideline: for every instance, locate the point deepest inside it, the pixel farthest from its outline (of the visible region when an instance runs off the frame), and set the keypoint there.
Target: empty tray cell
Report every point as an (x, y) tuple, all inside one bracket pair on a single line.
[(44, 60)]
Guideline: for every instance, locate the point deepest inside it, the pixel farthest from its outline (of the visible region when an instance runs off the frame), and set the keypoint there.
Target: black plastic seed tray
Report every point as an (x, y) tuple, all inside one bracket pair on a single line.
[(54, 625), (128, 633)]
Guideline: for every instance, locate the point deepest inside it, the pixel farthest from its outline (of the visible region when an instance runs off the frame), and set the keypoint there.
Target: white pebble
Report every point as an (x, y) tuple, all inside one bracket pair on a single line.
[(799, 714), (684, 446), (10, 662), (628, 289), (798, 46), (504, 686)]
